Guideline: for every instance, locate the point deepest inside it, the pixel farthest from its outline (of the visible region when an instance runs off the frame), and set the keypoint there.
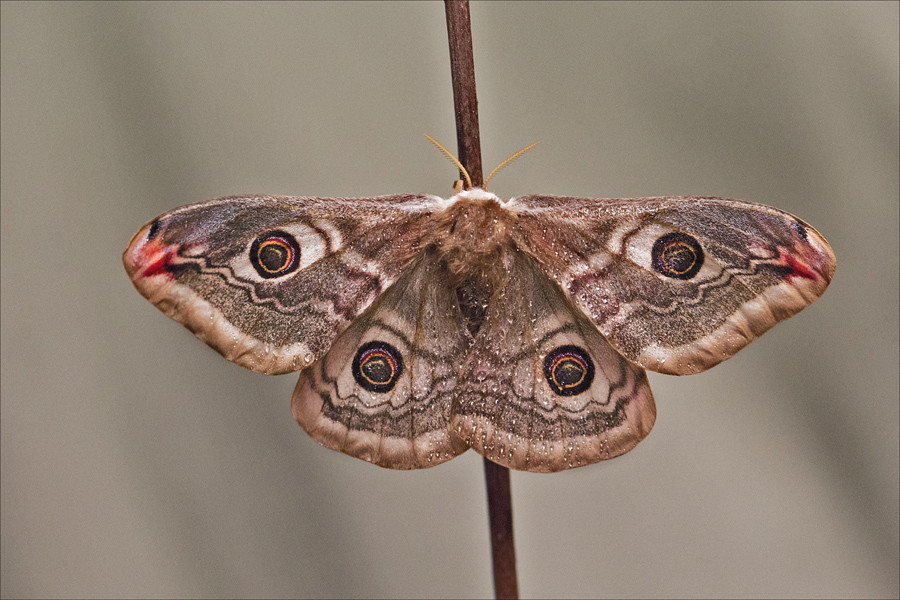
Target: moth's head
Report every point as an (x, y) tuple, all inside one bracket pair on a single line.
[(460, 185)]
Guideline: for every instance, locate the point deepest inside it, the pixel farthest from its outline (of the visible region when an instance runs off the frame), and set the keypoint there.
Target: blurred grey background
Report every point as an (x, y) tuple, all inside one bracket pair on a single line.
[(138, 462)]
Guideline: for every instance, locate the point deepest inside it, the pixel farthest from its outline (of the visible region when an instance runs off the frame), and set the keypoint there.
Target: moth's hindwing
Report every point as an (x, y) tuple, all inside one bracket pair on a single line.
[(541, 390), (383, 391), (270, 281), (677, 285)]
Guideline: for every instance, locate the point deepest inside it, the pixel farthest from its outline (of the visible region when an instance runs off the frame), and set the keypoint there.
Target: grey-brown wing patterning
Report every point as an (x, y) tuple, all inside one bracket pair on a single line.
[(521, 329)]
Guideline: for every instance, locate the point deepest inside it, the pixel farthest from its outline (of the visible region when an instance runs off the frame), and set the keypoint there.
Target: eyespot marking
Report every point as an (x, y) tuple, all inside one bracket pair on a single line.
[(377, 366), (677, 255), (275, 254), (568, 370)]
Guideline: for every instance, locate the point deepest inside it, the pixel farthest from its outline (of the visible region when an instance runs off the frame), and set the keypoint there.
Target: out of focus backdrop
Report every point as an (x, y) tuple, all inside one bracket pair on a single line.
[(136, 462)]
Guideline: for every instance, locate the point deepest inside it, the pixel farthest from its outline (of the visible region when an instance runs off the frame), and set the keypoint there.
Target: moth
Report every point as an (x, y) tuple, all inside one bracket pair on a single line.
[(424, 326)]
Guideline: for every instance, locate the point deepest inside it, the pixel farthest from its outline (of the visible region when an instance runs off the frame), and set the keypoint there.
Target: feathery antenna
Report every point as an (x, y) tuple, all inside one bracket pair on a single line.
[(509, 160), (462, 169), (446, 152)]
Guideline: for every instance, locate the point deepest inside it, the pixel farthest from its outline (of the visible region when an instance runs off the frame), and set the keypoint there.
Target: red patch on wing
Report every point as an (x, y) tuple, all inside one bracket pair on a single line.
[(156, 258), (798, 269)]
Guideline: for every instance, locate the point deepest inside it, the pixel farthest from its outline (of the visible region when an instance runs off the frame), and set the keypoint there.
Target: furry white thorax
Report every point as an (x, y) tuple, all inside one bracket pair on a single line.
[(472, 194)]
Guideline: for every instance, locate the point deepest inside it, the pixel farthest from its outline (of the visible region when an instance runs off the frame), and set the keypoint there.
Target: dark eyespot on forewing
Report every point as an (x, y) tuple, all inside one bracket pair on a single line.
[(677, 255), (275, 254)]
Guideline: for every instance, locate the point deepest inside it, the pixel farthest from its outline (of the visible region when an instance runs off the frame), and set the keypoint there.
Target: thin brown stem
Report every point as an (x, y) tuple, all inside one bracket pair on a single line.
[(465, 101), (503, 547)]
